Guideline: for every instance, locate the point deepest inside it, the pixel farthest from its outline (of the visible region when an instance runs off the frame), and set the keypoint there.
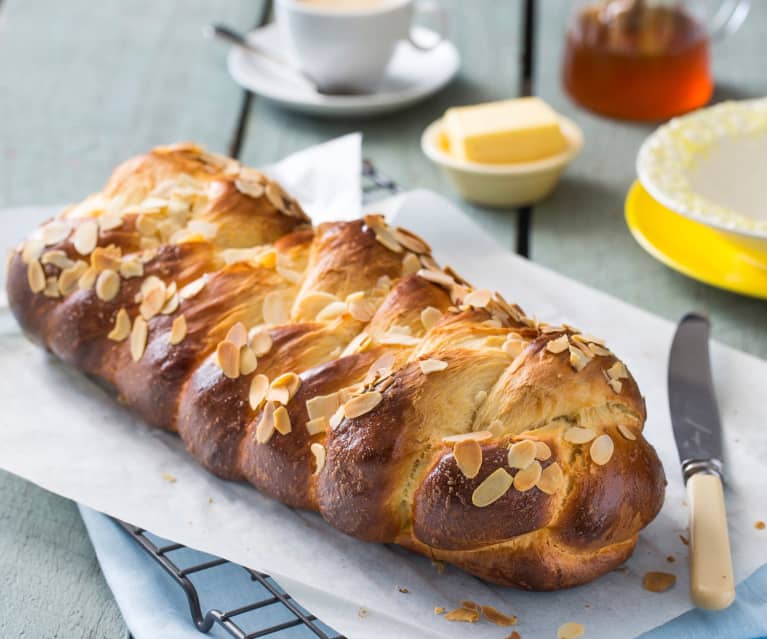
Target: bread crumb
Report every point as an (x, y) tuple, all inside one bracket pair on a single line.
[(684, 540), (403, 590), (670, 559), (438, 565), (493, 615), (169, 478), (438, 610), (570, 630), (463, 614), (210, 500), (362, 613), (514, 635), (470, 605), (760, 525), (658, 581)]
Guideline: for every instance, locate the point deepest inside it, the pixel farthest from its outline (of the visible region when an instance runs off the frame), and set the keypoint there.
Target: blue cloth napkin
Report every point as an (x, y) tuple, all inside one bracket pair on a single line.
[(154, 606)]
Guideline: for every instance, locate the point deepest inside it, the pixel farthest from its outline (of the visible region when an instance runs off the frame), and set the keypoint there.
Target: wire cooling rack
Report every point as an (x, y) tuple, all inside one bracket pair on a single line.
[(269, 611)]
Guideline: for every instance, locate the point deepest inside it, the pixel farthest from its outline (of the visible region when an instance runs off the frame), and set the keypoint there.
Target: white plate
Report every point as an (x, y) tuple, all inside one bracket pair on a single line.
[(412, 76), (711, 166)]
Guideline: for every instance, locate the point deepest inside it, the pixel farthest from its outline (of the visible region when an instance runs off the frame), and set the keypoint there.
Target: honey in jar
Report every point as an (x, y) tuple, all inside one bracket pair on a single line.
[(637, 60)]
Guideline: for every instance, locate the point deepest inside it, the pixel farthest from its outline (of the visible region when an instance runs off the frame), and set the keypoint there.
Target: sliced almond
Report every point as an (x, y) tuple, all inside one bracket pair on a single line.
[(362, 309), (259, 386), (55, 232), (602, 449), (260, 341), (332, 311), (493, 615), (103, 258), (68, 279), (558, 345), (626, 432), (551, 479), (317, 425), (386, 237), (193, 288), (121, 328), (410, 264), (251, 188), (131, 267), (528, 477), (478, 299), (477, 435), (171, 305), (87, 279), (138, 337), (177, 330), (411, 241), (32, 249), (318, 450), (282, 420), (51, 287), (248, 360), (312, 303), (600, 350), (430, 316), (514, 345), (228, 359), (432, 366), (107, 285), (57, 258), (336, 419), (276, 309), (616, 385), (265, 428), (283, 388), (437, 277), (617, 371), (522, 453), (398, 338), (492, 488), (542, 451), (86, 237), (570, 630), (579, 435), (658, 581), (362, 404), (238, 335), (322, 406), (35, 276), (152, 302), (274, 195), (468, 457), (578, 359)]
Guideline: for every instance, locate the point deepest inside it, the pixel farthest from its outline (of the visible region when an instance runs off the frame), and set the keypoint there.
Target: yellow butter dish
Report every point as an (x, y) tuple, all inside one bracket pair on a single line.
[(548, 141)]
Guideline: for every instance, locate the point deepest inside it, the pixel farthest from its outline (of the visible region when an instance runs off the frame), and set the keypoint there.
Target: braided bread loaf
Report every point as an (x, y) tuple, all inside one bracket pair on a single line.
[(339, 369)]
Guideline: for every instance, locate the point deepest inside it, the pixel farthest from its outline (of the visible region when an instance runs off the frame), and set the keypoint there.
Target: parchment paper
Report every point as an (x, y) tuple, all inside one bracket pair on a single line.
[(64, 433)]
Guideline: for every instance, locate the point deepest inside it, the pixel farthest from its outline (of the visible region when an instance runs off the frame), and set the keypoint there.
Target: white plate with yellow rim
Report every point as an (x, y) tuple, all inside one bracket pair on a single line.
[(502, 185), (711, 166)]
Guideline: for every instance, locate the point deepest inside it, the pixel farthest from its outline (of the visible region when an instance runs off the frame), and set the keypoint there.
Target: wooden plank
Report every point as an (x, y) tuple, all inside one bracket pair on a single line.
[(487, 39), (88, 84), (52, 585), (83, 89), (580, 230)]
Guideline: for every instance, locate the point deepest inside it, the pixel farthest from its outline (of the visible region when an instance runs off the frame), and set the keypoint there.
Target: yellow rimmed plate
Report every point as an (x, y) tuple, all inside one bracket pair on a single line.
[(694, 249)]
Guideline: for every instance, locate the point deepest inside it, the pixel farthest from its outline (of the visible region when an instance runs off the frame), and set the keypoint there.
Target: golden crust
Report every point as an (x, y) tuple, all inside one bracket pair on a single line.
[(396, 357)]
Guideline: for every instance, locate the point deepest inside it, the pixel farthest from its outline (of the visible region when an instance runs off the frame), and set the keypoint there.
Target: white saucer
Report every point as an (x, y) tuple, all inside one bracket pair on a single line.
[(412, 76)]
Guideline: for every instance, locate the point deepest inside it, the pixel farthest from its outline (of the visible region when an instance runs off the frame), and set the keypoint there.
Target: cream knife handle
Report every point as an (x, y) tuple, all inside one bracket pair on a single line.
[(711, 581)]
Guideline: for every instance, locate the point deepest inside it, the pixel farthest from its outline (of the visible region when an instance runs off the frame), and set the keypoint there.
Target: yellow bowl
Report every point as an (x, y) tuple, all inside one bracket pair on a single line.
[(502, 185)]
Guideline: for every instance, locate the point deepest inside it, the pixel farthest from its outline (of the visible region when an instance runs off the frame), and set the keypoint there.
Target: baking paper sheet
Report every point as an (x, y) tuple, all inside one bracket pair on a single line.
[(64, 433)]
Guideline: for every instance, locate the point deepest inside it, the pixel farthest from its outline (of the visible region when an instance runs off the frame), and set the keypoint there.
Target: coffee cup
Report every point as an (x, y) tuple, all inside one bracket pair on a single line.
[(344, 46)]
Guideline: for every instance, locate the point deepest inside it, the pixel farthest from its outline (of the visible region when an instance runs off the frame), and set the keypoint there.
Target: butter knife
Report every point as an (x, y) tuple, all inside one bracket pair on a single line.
[(698, 434)]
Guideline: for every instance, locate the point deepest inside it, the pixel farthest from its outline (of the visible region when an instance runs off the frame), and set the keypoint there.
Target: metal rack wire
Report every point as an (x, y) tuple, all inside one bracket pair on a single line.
[(266, 593)]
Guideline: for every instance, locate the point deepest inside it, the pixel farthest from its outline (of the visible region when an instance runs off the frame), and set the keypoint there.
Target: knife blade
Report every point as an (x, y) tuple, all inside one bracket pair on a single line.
[(698, 434)]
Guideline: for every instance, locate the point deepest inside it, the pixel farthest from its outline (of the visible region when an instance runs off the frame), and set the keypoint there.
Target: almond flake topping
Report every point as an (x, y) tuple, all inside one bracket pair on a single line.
[(193, 288), (432, 365), (107, 285), (551, 479), (228, 359), (602, 450), (411, 241), (600, 350), (35, 276), (437, 277), (275, 195), (468, 457), (121, 328), (177, 330), (410, 264), (570, 630), (87, 279), (106, 258), (32, 249), (276, 309), (626, 432), (492, 488), (283, 388), (430, 316), (260, 341), (51, 287), (171, 305), (55, 232), (478, 299), (265, 428), (579, 435), (318, 450), (514, 345), (617, 371), (250, 188), (558, 345), (362, 309), (282, 420), (578, 359), (542, 451), (57, 258), (248, 360), (528, 477), (86, 237), (312, 303), (238, 335), (337, 417), (477, 435), (521, 454), (138, 337), (152, 301), (322, 405), (331, 311), (259, 386), (616, 385), (131, 267), (362, 404), (317, 425), (69, 277)]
